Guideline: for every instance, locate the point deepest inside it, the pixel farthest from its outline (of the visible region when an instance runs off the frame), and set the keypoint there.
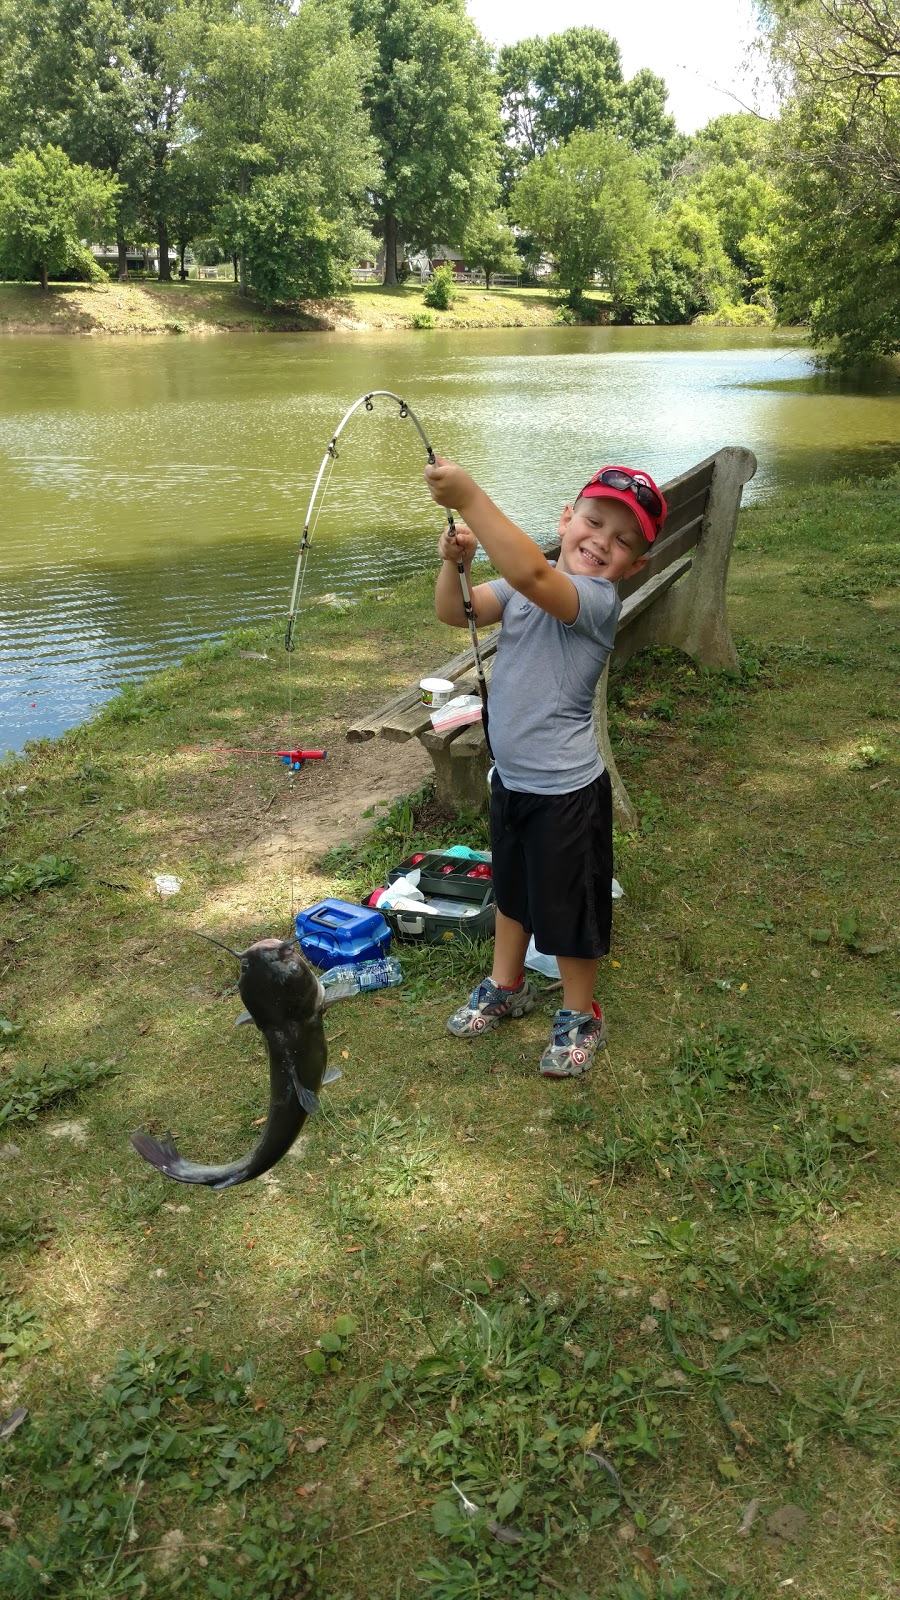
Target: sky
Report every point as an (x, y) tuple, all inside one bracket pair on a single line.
[(697, 46)]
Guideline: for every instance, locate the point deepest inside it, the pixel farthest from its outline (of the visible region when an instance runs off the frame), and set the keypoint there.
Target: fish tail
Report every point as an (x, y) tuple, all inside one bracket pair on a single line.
[(161, 1153)]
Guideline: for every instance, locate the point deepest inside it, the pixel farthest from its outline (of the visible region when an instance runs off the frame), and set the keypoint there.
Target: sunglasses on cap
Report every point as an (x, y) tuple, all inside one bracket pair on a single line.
[(644, 493)]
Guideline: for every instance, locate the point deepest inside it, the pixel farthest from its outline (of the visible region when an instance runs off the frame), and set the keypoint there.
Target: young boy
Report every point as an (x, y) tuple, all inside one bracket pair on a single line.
[(551, 804)]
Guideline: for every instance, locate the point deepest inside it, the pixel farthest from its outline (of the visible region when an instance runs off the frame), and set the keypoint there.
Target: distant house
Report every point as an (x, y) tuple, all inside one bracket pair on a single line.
[(141, 258)]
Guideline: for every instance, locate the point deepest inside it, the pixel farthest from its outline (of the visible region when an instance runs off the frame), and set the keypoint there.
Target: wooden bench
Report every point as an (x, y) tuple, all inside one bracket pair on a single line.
[(678, 598)]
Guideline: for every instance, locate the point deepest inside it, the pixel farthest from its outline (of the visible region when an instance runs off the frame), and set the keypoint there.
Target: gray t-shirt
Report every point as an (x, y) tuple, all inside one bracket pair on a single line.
[(542, 688)]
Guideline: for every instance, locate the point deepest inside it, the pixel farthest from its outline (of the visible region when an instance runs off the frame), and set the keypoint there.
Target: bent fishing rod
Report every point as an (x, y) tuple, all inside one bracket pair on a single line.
[(327, 466)]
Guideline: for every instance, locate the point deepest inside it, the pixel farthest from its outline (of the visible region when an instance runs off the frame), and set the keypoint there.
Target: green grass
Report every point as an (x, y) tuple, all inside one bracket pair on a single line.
[(486, 1335), (207, 307)]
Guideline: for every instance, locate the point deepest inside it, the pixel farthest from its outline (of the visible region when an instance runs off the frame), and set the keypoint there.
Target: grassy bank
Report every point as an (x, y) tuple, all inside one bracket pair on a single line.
[(644, 1321), (205, 308)]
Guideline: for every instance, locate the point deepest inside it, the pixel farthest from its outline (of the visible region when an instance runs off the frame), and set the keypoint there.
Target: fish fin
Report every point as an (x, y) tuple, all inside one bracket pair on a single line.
[(306, 1097), (332, 1075), (308, 1100), (244, 1017)]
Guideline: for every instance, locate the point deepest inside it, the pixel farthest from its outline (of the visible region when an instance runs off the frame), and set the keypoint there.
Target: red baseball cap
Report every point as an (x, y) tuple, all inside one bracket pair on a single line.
[(636, 490)]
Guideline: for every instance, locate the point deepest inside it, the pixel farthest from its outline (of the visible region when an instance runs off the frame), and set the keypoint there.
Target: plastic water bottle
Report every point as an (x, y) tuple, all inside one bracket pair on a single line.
[(340, 983)]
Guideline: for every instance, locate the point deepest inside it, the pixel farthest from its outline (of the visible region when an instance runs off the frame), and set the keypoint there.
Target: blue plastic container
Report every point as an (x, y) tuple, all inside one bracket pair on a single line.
[(333, 932)]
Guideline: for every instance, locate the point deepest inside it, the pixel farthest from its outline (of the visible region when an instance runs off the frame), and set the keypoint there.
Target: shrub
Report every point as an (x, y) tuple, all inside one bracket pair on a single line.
[(737, 316), (423, 319), (441, 291)]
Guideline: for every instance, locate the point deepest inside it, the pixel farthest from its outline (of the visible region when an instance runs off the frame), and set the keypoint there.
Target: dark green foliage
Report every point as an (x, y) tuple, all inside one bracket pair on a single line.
[(48, 205), (27, 1091), (170, 1422), (18, 878)]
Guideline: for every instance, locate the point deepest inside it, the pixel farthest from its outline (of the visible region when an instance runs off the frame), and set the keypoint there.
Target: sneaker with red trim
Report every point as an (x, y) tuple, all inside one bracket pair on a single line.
[(575, 1038), (488, 1006)]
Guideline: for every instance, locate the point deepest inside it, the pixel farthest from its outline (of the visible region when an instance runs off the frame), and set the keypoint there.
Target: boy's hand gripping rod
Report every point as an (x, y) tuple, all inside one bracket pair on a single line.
[(330, 456)]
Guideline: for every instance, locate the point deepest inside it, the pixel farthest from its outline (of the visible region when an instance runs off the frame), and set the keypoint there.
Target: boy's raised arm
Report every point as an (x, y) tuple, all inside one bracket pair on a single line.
[(513, 553)]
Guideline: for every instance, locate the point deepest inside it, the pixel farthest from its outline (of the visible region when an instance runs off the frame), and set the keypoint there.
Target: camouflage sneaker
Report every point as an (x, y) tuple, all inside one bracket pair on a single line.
[(488, 1006), (575, 1038)]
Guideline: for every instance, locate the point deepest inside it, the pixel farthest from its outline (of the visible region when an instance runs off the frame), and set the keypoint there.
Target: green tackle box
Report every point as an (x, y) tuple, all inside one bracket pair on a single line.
[(462, 892)]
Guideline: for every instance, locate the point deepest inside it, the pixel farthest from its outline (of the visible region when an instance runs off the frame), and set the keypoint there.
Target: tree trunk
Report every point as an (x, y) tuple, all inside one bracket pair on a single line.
[(390, 250), (234, 267), (45, 281), (122, 248), (182, 270), (165, 270), (487, 278)]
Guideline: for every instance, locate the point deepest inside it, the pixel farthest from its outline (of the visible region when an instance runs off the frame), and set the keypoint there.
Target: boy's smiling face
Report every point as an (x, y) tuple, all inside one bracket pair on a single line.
[(601, 538)]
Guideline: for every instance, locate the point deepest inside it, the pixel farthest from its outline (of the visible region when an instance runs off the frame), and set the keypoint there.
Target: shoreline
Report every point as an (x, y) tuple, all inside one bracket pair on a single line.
[(203, 309)]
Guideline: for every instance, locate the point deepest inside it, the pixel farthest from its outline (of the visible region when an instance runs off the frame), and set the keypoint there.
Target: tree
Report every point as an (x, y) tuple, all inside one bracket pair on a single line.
[(588, 205), (276, 102), (433, 110), (491, 244), (48, 205), (689, 270), (729, 174), (572, 82), (838, 149), (68, 77)]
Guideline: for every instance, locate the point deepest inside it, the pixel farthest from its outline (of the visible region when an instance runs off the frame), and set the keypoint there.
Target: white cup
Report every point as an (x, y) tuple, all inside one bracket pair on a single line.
[(436, 691)]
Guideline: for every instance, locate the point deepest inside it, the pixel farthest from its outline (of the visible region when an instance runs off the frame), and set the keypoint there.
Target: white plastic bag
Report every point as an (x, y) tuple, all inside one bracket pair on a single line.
[(537, 962)]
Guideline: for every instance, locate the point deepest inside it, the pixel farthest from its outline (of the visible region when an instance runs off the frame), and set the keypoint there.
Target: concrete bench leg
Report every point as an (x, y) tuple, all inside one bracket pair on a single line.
[(460, 782), (624, 814)]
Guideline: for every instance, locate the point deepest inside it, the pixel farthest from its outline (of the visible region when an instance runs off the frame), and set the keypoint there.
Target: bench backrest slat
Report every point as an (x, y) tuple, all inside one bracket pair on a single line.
[(668, 550)]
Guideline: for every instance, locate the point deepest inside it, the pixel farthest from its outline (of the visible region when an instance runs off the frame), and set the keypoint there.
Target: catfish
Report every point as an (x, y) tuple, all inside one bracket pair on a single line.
[(286, 1001)]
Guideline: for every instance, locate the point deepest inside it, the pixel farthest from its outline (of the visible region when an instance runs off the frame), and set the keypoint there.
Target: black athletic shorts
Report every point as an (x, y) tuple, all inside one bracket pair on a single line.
[(553, 865)]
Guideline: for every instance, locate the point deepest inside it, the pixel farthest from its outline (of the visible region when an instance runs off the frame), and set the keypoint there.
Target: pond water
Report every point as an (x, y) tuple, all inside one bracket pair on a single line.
[(153, 491)]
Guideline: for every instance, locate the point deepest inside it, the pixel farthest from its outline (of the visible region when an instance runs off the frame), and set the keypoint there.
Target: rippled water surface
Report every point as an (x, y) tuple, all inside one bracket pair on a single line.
[(153, 491)]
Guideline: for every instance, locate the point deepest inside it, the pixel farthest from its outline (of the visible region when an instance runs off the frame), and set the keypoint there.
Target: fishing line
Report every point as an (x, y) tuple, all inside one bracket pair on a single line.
[(328, 460)]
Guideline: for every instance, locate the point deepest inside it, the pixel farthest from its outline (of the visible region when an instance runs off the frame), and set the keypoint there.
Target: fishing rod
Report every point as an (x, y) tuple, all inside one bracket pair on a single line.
[(327, 464)]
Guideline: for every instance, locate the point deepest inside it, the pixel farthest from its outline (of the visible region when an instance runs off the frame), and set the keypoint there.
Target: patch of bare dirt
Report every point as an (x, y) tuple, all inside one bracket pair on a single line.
[(329, 798)]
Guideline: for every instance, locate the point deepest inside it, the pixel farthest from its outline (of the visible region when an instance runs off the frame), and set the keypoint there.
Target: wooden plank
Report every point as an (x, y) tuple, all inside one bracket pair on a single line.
[(652, 591), (405, 725), (669, 550), (679, 489), (370, 723)]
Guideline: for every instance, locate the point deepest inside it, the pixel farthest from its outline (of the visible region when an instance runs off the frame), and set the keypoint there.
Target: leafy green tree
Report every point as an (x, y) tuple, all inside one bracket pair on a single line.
[(48, 205), (837, 245), (490, 243), (572, 82), (689, 271), (433, 109), (729, 173), (279, 96), (587, 204), (68, 77)]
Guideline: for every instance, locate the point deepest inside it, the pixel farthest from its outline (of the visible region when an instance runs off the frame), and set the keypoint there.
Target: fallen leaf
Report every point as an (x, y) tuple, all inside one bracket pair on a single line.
[(345, 1055), (505, 1534), (312, 1445), (608, 1468), (660, 1300), (13, 1421), (720, 1333), (673, 1378), (648, 1325), (647, 1559), (751, 1512)]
